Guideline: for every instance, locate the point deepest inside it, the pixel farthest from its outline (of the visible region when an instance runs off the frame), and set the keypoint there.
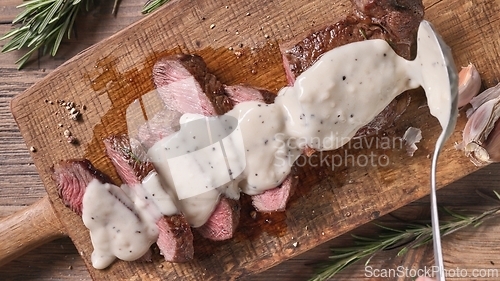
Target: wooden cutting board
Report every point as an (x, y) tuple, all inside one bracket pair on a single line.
[(239, 42)]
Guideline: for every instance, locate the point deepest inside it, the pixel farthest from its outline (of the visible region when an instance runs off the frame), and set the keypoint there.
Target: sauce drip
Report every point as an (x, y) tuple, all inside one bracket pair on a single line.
[(119, 227)]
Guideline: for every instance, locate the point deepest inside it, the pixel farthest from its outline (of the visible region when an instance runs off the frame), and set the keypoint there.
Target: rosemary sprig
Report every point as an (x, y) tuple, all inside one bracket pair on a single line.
[(43, 24), (413, 236), (152, 5)]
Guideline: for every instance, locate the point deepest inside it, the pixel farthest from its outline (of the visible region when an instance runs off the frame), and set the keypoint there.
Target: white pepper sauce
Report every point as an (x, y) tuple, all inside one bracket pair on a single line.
[(344, 90), (118, 227), (323, 110)]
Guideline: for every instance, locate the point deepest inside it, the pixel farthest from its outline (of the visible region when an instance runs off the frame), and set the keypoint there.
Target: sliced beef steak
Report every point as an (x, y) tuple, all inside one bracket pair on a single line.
[(399, 18), (223, 222), (128, 159), (241, 93), (185, 84), (275, 200), (175, 239), (395, 21), (299, 56), (72, 177), (163, 124)]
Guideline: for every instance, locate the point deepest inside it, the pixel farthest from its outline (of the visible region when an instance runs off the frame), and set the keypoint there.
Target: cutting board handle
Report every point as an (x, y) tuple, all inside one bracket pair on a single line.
[(27, 229)]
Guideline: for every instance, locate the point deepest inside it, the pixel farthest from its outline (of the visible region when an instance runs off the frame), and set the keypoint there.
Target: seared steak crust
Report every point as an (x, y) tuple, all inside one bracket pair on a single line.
[(223, 222), (130, 165), (395, 21), (72, 177), (208, 93), (176, 239)]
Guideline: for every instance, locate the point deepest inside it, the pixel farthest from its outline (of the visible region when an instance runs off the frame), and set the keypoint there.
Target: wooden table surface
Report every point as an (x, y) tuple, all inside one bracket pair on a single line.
[(20, 186)]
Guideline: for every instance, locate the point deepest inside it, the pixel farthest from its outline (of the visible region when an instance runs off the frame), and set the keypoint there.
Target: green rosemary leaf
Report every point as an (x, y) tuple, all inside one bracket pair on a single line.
[(152, 5), (413, 236), (50, 15), (72, 20), (402, 252), (496, 194), (42, 25), (362, 238), (59, 38), (25, 58), (388, 228)]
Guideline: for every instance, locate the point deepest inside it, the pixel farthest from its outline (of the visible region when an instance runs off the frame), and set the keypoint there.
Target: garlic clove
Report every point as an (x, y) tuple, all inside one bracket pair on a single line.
[(481, 135), (477, 154), (469, 83), (492, 143), (488, 94)]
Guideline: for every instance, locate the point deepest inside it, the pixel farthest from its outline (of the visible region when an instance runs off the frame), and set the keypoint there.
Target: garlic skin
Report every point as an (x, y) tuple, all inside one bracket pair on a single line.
[(488, 94), (469, 83), (481, 135), (411, 137)]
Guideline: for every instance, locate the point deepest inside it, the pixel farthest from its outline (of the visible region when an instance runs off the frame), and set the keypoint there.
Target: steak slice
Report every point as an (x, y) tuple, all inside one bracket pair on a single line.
[(275, 200), (399, 18), (185, 85), (127, 159), (175, 239), (72, 177), (395, 21), (163, 124), (299, 56), (241, 93), (223, 222)]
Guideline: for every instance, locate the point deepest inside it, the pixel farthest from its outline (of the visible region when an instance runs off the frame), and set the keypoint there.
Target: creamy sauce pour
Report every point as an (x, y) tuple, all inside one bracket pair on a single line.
[(119, 227), (344, 90)]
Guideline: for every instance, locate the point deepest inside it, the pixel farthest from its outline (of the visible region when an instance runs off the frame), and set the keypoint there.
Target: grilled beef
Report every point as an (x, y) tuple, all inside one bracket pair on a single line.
[(72, 177), (185, 85), (223, 222), (275, 200), (241, 93), (127, 159), (175, 239), (395, 21), (163, 124)]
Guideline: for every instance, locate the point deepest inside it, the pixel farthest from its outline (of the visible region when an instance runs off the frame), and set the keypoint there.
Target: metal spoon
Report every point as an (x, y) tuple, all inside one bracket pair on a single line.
[(440, 81)]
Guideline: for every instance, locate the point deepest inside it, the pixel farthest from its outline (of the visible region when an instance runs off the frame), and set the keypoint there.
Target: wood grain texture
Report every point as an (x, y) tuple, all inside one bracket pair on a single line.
[(340, 193), (28, 229)]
